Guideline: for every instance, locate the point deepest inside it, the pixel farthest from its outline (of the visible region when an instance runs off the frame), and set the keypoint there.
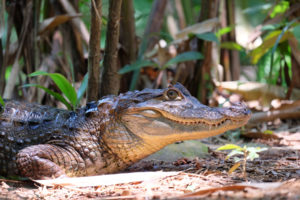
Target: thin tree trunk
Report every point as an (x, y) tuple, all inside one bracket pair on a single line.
[(23, 31), (110, 82), (156, 19), (2, 78), (203, 68), (234, 54), (128, 52), (150, 37), (225, 53), (94, 51), (2, 64)]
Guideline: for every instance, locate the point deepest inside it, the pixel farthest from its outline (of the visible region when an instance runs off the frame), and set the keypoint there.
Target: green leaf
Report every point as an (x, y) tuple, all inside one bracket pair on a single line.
[(252, 155), (209, 36), (270, 27), (256, 149), (136, 66), (256, 9), (223, 31), (186, 56), (296, 32), (63, 84), (281, 7), (229, 147), (231, 46), (237, 159), (54, 94), (268, 43), (235, 152), (82, 88), (1, 101), (270, 132)]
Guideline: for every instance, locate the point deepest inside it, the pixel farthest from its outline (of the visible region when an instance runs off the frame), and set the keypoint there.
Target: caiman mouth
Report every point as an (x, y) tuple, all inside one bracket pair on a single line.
[(182, 123), (212, 123)]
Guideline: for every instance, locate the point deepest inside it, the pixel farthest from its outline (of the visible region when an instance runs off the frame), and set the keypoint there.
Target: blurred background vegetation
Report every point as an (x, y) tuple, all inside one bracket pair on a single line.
[(242, 46)]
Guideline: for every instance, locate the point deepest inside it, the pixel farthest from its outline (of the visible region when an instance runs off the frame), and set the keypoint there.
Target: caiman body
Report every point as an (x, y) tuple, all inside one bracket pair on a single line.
[(105, 136)]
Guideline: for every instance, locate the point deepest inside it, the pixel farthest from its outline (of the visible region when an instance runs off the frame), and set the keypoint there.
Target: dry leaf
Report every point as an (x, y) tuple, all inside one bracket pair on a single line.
[(109, 179), (51, 23)]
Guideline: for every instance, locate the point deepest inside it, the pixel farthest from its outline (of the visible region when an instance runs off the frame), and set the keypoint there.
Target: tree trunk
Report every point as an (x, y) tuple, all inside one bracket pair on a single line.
[(209, 9), (22, 17), (150, 37), (234, 54), (94, 52), (128, 51), (110, 82)]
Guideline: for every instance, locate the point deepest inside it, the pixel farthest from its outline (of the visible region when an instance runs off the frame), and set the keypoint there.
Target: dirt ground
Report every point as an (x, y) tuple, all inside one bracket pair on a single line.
[(274, 175)]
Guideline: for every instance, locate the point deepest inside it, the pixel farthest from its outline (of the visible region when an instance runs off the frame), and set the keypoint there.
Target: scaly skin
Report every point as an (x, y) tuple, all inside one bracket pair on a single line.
[(106, 136)]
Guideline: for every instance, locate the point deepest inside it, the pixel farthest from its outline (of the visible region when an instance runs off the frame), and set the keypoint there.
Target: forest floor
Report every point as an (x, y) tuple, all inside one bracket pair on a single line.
[(274, 175)]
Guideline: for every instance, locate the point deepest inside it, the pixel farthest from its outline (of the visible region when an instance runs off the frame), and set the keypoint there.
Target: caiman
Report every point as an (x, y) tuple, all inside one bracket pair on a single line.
[(106, 136)]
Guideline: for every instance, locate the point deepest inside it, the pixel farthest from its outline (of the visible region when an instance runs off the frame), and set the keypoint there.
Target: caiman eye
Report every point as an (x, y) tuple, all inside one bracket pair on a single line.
[(172, 94)]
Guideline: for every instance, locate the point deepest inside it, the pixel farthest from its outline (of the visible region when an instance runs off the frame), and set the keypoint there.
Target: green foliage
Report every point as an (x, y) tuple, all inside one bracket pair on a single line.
[(183, 57), (231, 46), (296, 32), (2, 102), (63, 84), (136, 66), (269, 42), (224, 31), (280, 8), (209, 36), (82, 89), (249, 153), (65, 87), (52, 93)]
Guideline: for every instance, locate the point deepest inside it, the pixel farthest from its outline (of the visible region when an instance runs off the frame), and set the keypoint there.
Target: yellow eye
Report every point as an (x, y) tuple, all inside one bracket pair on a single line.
[(172, 94)]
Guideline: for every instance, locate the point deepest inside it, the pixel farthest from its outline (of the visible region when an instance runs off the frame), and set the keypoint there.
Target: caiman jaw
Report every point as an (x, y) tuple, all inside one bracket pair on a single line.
[(190, 127), (195, 121), (156, 113)]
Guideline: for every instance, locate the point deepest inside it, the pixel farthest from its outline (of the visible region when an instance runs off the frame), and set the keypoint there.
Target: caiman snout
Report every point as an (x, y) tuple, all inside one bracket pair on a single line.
[(240, 108)]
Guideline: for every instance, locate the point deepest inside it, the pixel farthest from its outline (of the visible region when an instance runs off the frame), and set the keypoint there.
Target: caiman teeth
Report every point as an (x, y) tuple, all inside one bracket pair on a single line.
[(211, 124)]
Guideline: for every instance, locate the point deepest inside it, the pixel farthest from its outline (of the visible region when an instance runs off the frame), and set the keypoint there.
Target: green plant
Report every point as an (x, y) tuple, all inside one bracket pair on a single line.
[(1, 102), (186, 56), (70, 98), (248, 153)]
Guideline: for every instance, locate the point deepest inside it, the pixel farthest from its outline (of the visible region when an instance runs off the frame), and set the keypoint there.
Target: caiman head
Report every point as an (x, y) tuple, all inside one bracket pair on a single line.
[(143, 122), (172, 114)]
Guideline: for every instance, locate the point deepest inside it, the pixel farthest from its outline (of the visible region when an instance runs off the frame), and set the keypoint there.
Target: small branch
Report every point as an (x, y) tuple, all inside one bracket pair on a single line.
[(272, 115)]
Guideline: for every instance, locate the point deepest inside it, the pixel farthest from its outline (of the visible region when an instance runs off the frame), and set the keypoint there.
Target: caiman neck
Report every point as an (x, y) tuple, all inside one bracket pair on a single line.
[(128, 146)]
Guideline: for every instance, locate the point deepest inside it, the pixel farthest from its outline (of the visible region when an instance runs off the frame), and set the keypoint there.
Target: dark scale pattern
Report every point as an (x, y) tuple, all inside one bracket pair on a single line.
[(105, 136)]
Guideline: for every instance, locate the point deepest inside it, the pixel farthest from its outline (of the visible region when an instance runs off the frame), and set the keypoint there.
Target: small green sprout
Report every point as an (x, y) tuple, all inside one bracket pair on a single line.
[(72, 97), (249, 153)]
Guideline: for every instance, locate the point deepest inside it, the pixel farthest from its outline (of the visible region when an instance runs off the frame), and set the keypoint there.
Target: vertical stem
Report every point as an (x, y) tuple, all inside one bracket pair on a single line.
[(127, 29), (110, 82), (246, 153), (128, 41), (94, 51), (150, 37), (209, 9), (234, 54)]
